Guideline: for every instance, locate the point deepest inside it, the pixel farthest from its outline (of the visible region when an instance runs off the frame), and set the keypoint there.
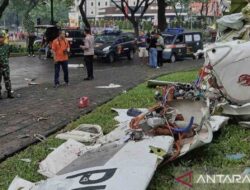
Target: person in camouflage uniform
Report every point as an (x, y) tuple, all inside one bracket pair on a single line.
[(4, 67)]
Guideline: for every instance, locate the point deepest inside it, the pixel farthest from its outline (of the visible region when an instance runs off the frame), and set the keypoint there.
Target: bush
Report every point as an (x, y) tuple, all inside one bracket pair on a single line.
[(20, 49), (17, 49)]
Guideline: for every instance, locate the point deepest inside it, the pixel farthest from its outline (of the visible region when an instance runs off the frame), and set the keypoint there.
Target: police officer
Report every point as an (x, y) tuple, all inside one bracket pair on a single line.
[(4, 66)]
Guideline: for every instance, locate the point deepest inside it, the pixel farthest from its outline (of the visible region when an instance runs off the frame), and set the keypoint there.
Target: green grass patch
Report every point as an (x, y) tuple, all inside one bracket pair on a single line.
[(228, 140)]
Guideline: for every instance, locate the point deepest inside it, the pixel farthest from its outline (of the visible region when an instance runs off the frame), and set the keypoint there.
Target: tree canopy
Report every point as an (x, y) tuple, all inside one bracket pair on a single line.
[(129, 12), (237, 5)]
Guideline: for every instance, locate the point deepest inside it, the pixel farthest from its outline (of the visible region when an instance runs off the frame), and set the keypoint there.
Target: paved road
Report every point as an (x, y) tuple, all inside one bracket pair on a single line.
[(20, 116)]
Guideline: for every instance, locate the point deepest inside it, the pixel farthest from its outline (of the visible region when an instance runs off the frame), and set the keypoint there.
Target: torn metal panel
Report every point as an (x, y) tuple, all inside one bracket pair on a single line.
[(241, 113), (96, 157), (230, 64), (217, 121), (204, 136), (62, 156), (20, 184), (245, 124), (85, 133), (133, 165)]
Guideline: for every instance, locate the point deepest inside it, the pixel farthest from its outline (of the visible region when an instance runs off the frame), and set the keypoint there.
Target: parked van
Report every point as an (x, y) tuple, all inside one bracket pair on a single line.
[(181, 44)]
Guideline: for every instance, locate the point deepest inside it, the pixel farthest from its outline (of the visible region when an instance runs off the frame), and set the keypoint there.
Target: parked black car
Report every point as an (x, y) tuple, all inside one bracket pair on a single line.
[(75, 37), (111, 46)]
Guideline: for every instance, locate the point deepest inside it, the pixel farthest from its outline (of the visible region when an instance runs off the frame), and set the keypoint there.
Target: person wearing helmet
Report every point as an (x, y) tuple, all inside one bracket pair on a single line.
[(4, 66)]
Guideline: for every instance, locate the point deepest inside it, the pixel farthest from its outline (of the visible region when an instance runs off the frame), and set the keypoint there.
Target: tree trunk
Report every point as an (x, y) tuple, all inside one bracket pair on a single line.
[(162, 23), (83, 14), (136, 28), (28, 23), (3, 6)]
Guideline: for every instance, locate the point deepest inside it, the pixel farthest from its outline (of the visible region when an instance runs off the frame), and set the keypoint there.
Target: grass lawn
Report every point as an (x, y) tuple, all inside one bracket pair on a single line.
[(231, 139)]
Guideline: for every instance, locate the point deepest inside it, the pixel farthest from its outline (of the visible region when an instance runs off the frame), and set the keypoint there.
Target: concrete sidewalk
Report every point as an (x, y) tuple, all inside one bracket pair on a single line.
[(41, 109)]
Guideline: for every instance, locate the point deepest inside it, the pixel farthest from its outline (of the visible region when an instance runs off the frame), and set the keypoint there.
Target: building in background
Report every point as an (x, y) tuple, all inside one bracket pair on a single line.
[(213, 8), (92, 7), (96, 9)]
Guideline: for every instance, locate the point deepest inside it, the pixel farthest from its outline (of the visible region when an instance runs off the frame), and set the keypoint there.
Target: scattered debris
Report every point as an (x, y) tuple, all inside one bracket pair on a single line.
[(183, 119), (23, 136), (133, 112), (85, 133), (26, 160), (33, 83), (155, 83), (20, 184), (30, 80), (236, 156), (111, 85), (217, 122), (3, 115), (123, 116), (40, 137), (245, 124), (247, 139), (76, 66), (84, 102), (42, 118)]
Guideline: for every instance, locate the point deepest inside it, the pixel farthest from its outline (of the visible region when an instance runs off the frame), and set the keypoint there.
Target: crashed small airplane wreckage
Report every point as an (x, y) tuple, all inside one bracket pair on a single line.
[(182, 120)]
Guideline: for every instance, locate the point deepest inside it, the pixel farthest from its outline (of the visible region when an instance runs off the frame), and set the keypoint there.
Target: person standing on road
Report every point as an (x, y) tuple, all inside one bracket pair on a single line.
[(4, 66), (159, 47), (142, 46), (153, 51), (88, 49), (31, 40), (60, 49)]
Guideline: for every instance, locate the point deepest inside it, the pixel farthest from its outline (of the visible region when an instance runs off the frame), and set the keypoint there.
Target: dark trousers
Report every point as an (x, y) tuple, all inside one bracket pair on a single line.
[(159, 58), (30, 48), (64, 65), (5, 74), (89, 65)]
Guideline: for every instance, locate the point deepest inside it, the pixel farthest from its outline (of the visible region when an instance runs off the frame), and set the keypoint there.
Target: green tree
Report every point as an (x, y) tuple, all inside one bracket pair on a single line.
[(130, 11), (237, 5), (28, 23), (183, 6), (61, 9), (3, 6)]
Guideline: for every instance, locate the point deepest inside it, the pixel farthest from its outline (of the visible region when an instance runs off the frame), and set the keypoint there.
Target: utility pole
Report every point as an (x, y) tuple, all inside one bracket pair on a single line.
[(51, 11)]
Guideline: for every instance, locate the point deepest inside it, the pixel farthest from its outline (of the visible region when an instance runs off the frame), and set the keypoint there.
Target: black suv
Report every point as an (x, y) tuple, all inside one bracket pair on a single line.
[(75, 38), (113, 45)]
